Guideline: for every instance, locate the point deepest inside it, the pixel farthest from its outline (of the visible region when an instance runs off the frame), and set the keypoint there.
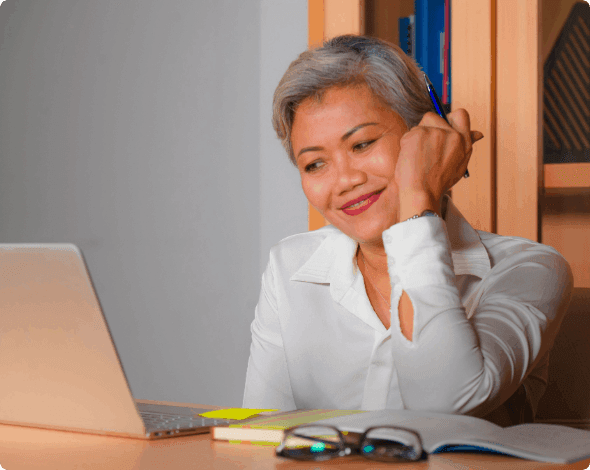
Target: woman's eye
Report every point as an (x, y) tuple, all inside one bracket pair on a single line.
[(363, 145), (311, 167)]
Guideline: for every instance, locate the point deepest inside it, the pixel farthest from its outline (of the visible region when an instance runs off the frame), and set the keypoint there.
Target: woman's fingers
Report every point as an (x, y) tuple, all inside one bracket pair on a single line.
[(436, 153), (460, 121), (475, 136)]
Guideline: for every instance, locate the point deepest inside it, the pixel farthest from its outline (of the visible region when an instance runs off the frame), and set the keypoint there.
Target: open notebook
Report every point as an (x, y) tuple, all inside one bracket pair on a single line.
[(60, 368)]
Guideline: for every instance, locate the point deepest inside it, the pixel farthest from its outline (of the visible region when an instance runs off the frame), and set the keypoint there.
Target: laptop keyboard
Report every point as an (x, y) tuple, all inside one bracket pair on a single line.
[(155, 421)]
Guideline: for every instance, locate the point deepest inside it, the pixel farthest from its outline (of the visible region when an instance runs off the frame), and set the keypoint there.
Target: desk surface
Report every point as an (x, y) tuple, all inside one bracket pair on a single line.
[(24, 448)]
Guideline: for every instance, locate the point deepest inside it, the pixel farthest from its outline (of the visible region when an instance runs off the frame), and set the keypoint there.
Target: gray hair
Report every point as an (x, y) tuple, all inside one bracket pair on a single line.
[(351, 60)]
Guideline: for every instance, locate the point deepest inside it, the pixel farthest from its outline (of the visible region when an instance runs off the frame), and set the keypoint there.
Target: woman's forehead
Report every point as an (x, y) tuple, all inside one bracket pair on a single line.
[(341, 94), (341, 105)]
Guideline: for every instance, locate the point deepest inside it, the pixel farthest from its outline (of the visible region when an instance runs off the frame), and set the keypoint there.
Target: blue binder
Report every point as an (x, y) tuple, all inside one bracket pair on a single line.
[(406, 35), (422, 37)]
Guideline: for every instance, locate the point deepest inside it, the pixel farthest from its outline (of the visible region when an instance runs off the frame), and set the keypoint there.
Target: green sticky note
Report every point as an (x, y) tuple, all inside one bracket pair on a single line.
[(233, 413)]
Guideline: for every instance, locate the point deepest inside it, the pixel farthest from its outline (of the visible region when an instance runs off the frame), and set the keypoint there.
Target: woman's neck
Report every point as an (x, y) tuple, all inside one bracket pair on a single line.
[(373, 258)]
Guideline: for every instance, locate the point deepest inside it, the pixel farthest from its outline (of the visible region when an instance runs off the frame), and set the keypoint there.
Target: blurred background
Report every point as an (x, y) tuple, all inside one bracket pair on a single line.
[(141, 131)]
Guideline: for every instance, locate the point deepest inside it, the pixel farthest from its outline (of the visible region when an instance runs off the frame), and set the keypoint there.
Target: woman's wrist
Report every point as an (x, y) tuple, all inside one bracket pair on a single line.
[(415, 202)]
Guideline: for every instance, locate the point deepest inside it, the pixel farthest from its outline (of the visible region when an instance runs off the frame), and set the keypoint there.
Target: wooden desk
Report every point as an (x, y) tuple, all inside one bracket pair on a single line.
[(24, 448)]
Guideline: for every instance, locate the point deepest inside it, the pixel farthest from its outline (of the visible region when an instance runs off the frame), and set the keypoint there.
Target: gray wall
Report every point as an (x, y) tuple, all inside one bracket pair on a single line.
[(282, 202), (140, 130)]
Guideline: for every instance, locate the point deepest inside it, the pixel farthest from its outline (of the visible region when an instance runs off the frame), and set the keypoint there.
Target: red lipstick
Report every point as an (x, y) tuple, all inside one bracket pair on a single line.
[(369, 200)]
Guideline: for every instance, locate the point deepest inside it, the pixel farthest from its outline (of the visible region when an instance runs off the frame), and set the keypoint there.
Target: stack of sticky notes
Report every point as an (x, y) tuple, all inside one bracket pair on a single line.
[(236, 413)]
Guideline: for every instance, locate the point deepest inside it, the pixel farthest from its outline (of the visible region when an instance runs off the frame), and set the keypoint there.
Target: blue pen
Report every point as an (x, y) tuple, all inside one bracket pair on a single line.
[(438, 106)]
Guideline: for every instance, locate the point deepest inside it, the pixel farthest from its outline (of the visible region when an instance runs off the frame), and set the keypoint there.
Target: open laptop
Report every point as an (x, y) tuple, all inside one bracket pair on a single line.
[(58, 362)]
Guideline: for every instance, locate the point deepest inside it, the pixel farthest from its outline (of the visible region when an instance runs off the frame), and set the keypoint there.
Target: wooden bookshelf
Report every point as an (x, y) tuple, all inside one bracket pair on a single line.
[(498, 49)]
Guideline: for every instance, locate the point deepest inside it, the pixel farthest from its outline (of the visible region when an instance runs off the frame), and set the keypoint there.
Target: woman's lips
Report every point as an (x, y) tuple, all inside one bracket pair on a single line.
[(364, 205), (358, 199)]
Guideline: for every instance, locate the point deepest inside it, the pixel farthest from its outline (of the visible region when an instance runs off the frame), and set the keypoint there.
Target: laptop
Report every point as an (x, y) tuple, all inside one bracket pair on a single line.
[(58, 362)]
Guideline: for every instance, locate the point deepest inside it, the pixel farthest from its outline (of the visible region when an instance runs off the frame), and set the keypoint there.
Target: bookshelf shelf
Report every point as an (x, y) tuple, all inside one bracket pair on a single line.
[(567, 178)]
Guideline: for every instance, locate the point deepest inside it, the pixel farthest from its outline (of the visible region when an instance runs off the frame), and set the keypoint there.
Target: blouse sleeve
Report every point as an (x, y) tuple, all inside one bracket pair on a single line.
[(470, 366), (267, 379)]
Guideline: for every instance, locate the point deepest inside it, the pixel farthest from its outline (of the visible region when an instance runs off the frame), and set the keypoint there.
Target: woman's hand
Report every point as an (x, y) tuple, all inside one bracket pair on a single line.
[(434, 155)]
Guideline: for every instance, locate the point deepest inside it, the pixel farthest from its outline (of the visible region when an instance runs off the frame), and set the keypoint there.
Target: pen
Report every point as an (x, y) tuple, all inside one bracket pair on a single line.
[(438, 106)]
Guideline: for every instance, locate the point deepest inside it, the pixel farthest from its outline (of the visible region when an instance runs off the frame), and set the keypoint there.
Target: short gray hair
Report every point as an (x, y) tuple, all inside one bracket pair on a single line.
[(351, 60)]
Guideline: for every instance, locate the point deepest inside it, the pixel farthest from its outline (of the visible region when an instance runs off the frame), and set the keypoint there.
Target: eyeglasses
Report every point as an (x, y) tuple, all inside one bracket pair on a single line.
[(383, 443)]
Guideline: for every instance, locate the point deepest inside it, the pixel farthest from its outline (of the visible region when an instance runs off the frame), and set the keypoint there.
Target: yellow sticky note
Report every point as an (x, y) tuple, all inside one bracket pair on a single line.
[(233, 413)]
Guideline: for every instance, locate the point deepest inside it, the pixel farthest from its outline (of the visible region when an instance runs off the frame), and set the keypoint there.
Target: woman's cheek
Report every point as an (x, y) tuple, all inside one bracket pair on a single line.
[(312, 191)]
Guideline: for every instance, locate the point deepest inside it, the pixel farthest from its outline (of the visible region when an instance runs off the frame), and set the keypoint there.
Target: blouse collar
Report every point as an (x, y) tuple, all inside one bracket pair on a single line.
[(334, 261)]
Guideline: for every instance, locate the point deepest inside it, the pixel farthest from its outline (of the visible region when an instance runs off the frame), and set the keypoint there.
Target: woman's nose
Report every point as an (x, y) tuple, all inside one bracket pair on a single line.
[(349, 174)]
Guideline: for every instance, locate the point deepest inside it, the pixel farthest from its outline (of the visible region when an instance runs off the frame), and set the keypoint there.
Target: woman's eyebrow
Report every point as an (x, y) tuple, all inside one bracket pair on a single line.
[(342, 139), (354, 129)]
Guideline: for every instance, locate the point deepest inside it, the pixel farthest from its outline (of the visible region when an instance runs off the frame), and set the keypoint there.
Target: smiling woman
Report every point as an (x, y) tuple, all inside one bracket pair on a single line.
[(400, 303), (351, 60), (357, 143)]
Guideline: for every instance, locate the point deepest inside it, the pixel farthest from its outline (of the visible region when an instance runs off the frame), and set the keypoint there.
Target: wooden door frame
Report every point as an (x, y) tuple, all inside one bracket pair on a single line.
[(473, 87), (519, 75)]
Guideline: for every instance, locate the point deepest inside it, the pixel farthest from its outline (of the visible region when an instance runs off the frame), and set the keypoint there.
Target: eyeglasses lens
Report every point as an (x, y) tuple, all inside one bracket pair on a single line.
[(312, 443), (389, 445)]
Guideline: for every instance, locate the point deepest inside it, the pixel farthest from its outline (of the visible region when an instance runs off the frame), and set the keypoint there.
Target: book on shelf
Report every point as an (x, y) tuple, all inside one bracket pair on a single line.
[(426, 37), (439, 432)]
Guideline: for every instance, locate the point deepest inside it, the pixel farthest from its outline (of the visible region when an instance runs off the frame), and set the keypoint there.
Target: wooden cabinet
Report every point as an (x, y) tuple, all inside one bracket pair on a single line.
[(498, 48)]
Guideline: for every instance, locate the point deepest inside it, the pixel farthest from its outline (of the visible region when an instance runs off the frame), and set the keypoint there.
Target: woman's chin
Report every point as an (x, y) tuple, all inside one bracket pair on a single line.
[(368, 231), (365, 236)]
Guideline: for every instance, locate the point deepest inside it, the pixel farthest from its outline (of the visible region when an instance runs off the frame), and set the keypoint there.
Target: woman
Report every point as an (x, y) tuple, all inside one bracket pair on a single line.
[(399, 303)]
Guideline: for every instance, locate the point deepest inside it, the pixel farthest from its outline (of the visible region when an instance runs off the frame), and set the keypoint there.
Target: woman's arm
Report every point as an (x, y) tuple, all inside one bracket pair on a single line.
[(412, 203), (456, 365)]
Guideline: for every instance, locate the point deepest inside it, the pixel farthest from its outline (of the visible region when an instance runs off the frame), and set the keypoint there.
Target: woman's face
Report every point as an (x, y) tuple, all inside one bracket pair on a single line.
[(347, 147)]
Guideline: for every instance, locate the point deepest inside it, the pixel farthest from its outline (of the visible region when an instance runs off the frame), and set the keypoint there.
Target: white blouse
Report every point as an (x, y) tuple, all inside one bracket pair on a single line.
[(487, 309)]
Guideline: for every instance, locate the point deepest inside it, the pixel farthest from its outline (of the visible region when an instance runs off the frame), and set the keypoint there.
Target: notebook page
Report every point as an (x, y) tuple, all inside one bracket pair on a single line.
[(542, 442), (547, 442), (432, 427)]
